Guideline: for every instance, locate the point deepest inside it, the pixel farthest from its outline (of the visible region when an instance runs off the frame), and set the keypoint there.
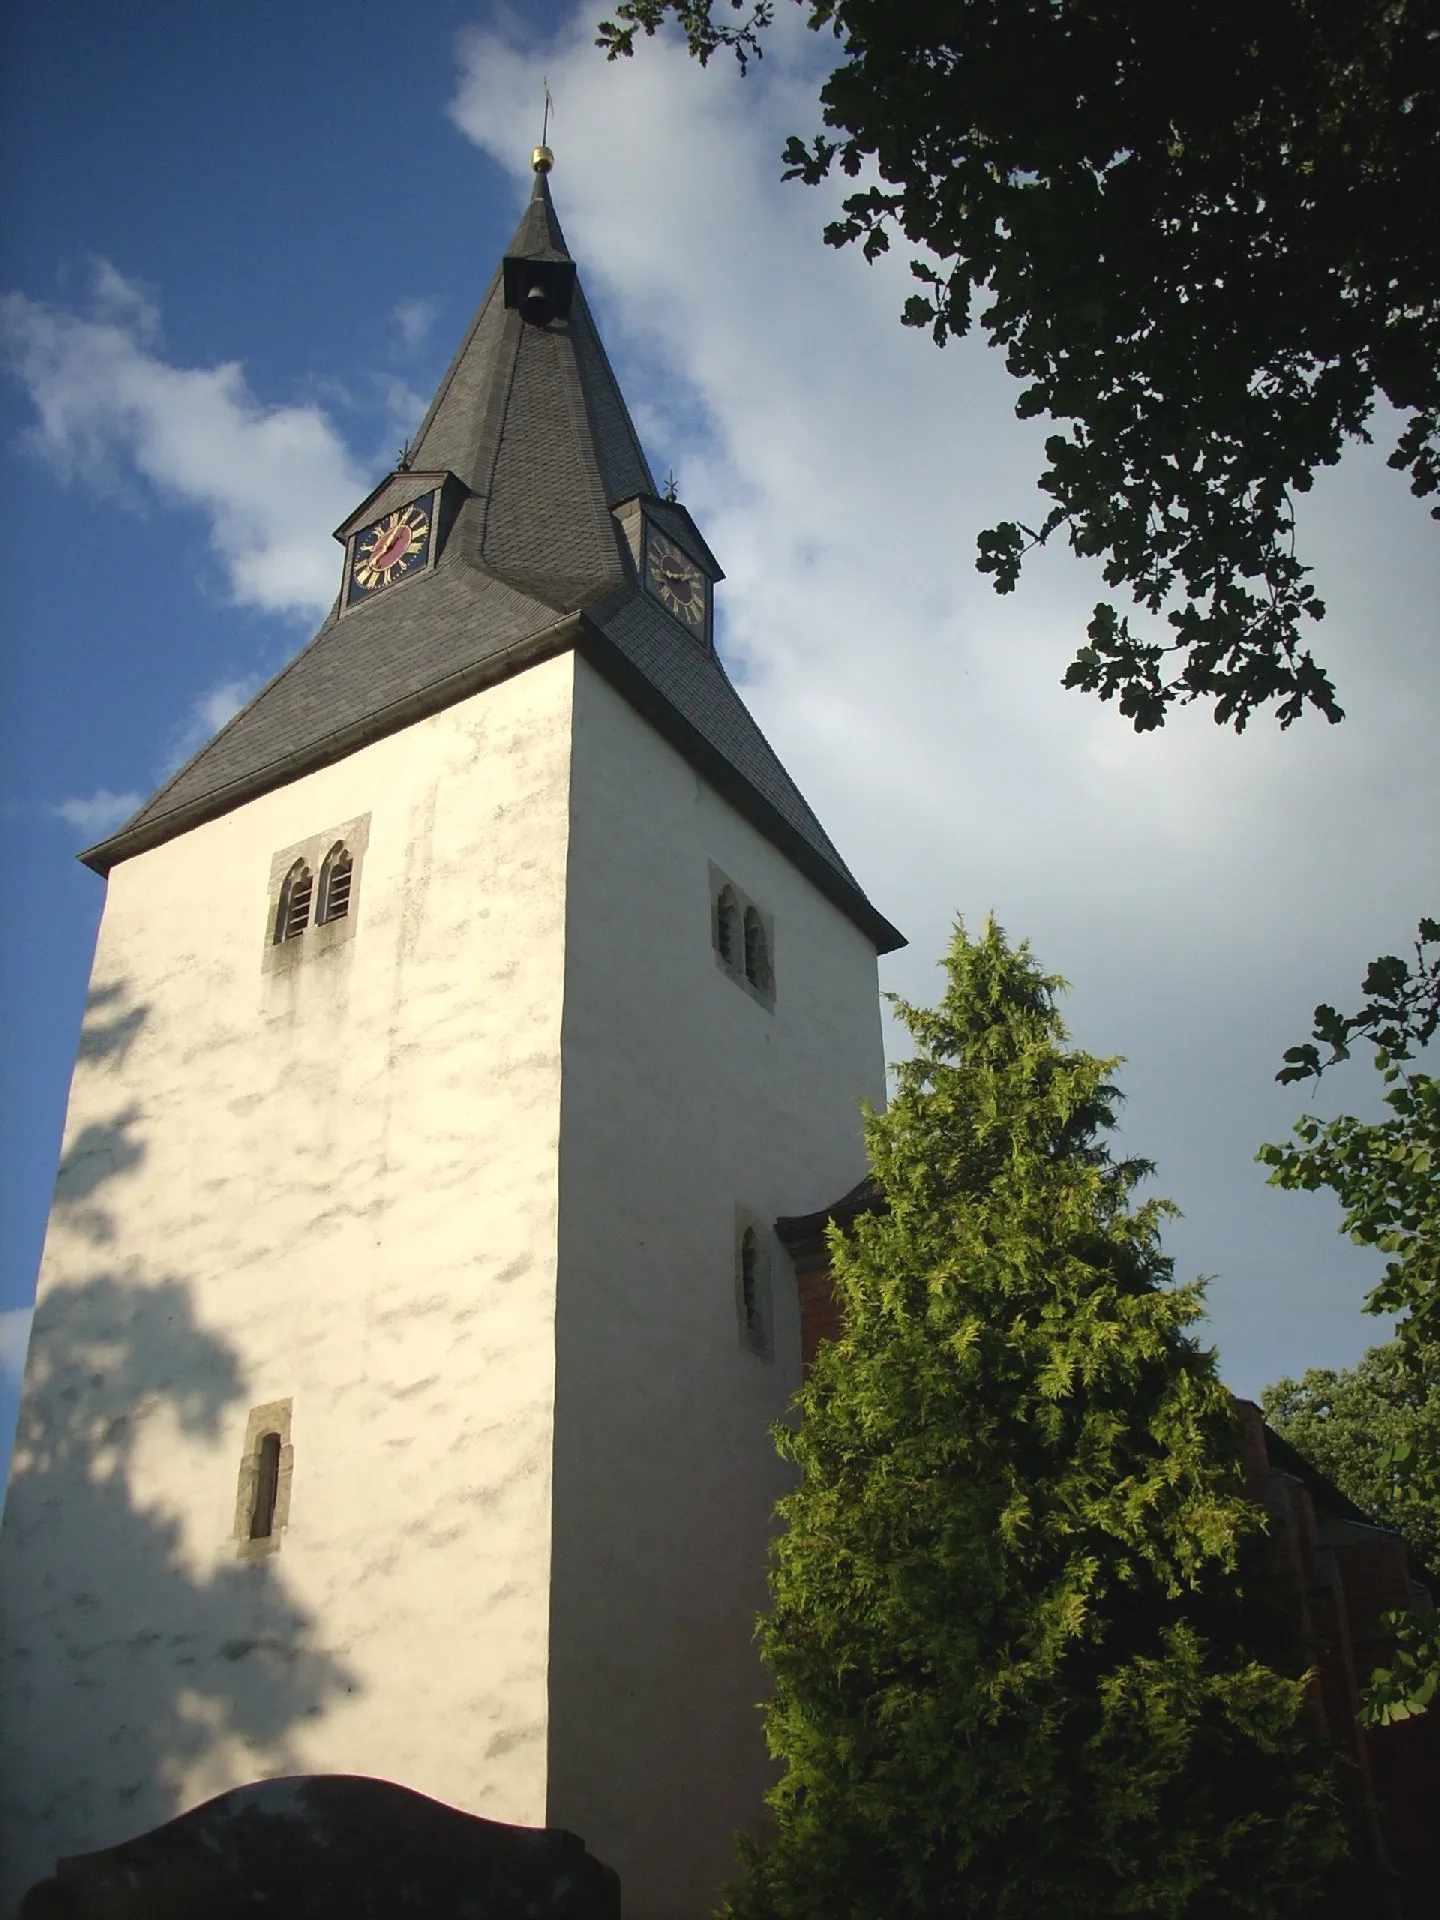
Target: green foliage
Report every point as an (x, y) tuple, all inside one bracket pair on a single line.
[(1386, 1173), (1208, 240), (1386, 1176), (1027, 1649), (1408, 1686), (1375, 1430), (1401, 1013)]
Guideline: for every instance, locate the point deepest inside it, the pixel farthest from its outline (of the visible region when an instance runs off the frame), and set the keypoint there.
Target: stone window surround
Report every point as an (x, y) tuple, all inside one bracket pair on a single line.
[(272, 1417), (318, 938), (735, 969)]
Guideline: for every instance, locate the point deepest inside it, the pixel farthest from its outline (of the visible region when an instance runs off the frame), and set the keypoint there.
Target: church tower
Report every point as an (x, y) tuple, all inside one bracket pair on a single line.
[(411, 1314)]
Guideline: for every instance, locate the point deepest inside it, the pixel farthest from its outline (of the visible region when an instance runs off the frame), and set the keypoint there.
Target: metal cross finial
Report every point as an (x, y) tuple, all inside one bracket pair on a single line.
[(670, 493), (549, 103)]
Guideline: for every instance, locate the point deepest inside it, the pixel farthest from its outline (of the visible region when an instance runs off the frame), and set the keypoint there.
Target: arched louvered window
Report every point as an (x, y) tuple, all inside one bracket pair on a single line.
[(744, 939), (757, 951), (727, 926), (267, 1486), (750, 1287), (292, 915), (335, 878)]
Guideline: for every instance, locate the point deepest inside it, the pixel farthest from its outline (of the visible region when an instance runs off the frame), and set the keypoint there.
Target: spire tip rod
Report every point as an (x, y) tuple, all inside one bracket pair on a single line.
[(542, 159)]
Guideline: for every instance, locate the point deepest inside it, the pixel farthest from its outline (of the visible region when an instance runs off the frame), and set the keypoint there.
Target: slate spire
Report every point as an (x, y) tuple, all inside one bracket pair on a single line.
[(538, 236), (531, 419), (536, 492)]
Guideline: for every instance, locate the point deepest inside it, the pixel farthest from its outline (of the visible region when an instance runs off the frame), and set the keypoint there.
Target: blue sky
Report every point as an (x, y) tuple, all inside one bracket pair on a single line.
[(239, 246), (292, 198)]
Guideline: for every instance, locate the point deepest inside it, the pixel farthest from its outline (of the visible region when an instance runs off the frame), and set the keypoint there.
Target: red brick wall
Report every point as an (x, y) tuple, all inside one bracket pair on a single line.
[(820, 1314)]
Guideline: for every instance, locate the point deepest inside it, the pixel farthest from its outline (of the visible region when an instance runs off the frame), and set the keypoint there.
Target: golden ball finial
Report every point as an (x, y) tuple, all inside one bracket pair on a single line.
[(542, 159)]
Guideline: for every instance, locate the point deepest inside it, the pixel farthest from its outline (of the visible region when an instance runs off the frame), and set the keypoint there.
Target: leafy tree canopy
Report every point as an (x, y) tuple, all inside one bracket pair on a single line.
[(1027, 1649), (1206, 236), (1375, 1430), (1385, 1174), (1401, 1014)]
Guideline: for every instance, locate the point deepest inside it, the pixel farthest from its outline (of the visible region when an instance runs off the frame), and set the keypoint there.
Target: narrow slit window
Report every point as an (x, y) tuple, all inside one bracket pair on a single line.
[(292, 916), (335, 879), (757, 951), (262, 1493), (727, 926), (750, 1286), (267, 1486)]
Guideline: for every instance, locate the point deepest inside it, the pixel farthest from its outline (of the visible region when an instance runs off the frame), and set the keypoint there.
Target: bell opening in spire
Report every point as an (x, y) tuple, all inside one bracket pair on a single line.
[(539, 290)]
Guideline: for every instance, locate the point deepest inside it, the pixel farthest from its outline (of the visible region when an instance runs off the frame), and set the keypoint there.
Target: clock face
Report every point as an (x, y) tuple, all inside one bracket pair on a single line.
[(397, 545), (675, 580)]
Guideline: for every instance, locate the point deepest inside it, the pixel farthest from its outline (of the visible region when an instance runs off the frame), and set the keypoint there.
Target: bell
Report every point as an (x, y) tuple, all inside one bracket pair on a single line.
[(535, 307)]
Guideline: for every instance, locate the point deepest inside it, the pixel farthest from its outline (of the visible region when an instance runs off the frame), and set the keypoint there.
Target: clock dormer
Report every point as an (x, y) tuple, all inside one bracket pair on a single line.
[(675, 567), (396, 534)]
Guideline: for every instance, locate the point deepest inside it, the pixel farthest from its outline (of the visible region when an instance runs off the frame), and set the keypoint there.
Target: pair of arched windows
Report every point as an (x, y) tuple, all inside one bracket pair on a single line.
[(742, 941), (299, 893)]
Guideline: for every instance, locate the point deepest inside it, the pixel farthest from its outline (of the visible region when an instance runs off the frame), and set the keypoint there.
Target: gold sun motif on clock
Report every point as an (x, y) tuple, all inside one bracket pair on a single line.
[(676, 581), (392, 546)]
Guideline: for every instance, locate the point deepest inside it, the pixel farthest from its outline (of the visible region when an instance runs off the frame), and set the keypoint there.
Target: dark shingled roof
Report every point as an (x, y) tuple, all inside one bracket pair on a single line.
[(532, 445), (805, 1232)]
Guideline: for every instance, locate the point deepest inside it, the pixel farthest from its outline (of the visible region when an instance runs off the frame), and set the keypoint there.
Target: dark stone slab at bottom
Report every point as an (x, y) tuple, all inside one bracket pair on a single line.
[(331, 1847)]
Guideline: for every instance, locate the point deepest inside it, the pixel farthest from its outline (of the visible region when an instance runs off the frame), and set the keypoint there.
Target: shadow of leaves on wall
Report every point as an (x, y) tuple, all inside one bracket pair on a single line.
[(112, 1023), (142, 1675), (110, 1026), (96, 1154), (143, 1665)]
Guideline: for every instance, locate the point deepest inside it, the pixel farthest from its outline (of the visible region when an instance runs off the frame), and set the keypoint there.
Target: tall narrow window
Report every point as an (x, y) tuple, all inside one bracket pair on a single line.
[(335, 877), (267, 1471), (757, 951), (750, 1286), (727, 926), (267, 1486), (292, 915)]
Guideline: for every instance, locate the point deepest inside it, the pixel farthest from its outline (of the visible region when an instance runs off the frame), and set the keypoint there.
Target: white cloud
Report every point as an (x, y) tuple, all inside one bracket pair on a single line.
[(206, 717), (97, 814), (125, 303), (222, 703), (413, 321), (272, 480), (14, 1338), (1202, 891)]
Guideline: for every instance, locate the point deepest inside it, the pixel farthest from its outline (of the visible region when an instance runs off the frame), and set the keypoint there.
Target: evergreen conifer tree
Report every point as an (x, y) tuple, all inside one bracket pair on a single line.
[(1030, 1653)]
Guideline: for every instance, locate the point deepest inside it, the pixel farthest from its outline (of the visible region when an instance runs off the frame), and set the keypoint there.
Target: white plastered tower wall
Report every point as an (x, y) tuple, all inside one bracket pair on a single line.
[(335, 1186), (463, 1191), (447, 1195), (685, 1100)]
